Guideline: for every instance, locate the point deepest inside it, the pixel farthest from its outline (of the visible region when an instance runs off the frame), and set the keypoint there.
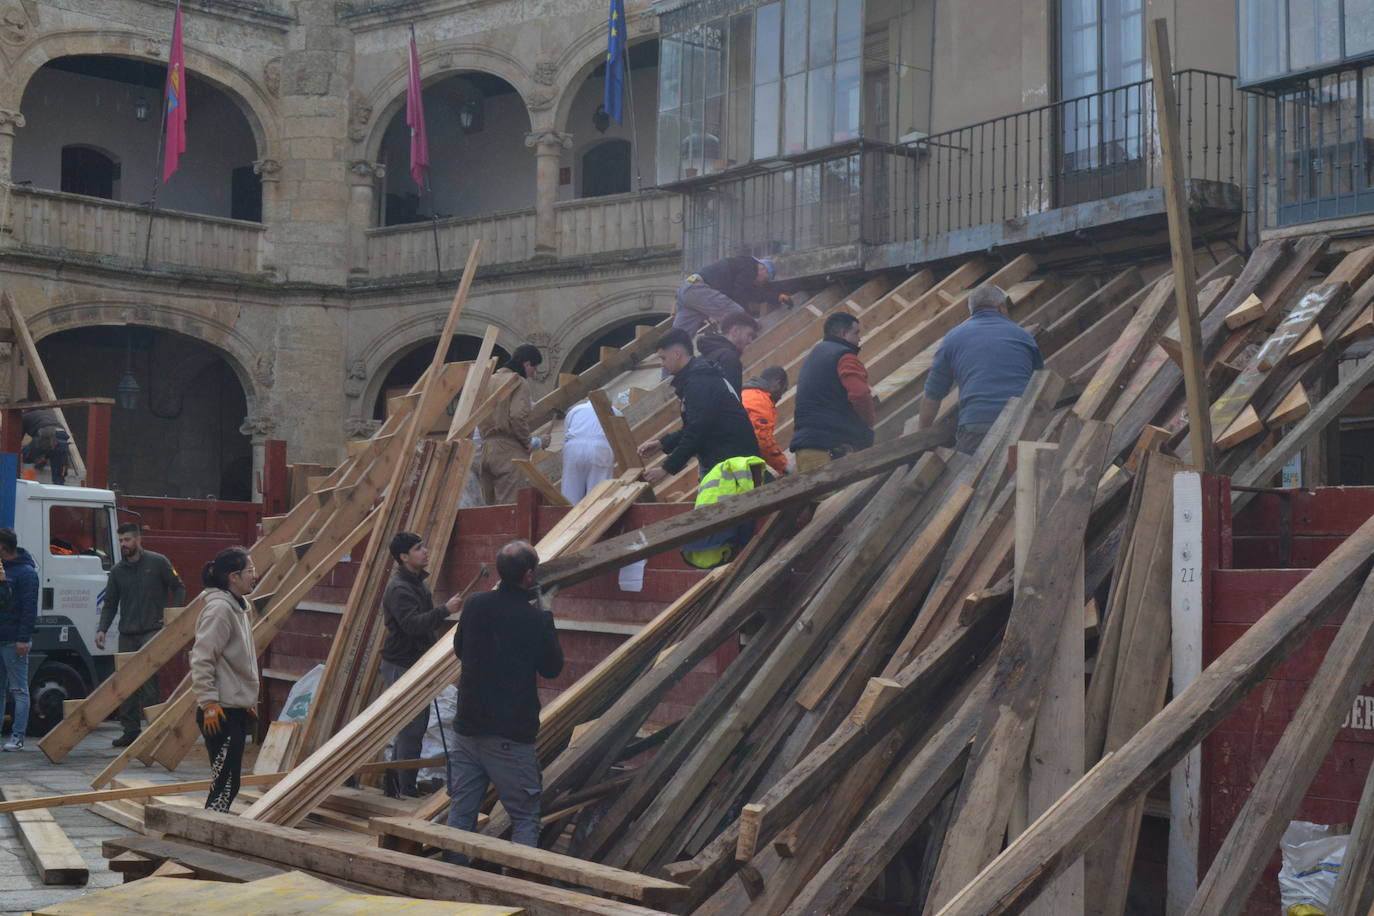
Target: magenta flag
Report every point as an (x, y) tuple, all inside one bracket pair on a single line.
[(174, 142), (415, 120)]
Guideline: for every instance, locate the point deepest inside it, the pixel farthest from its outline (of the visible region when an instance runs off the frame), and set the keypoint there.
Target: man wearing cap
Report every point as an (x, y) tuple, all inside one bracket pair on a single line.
[(723, 288)]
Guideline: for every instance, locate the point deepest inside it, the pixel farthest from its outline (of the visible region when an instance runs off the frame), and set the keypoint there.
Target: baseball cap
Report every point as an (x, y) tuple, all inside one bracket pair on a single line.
[(769, 266)]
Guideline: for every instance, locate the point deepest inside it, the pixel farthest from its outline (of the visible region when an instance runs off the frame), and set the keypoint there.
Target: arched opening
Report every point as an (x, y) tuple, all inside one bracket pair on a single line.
[(607, 169), (601, 164), (589, 353), (90, 171), (183, 439), (479, 163), (111, 106), (406, 371)]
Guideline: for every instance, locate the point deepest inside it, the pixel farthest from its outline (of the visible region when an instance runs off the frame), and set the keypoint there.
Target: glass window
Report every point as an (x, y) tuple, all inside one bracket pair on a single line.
[(794, 37), (669, 135), (849, 29), (1359, 27), (1313, 33), (820, 116), (1279, 37), (1264, 38), (670, 74), (767, 43), (848, 102), (713, 57), (794, 114), (766, 121), (79, 531), (822, 47)]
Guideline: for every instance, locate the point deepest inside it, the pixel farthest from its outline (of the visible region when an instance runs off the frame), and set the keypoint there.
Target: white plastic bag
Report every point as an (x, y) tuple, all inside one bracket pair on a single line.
[(297, 705), (433, 743), (1311, 864)]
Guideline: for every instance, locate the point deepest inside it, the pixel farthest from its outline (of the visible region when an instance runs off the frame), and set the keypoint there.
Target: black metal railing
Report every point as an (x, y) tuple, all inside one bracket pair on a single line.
[(1079, 150)]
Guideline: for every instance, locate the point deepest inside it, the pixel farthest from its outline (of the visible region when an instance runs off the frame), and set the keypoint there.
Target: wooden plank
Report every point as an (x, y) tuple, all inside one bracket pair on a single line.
[(46, 392), (1275, 796), (665, 535), (1102, 302), (982, 805), (1353, 886), (1245, 426), (277, 747), (1063, 834), (1181, 248), (1132, 344), (1252, 309), (547, 489), (617, 432), (1308, 346), (383, 868), (1294, 406), (653, 892), (1361, 327), (51, 852)]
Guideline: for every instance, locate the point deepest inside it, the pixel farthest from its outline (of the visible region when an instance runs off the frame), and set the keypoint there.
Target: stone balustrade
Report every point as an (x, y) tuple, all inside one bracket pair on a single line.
[(88, 227), (600, 225)]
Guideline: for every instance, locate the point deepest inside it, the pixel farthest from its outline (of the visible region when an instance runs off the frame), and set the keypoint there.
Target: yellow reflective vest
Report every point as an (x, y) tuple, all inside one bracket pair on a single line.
[(730, 477)]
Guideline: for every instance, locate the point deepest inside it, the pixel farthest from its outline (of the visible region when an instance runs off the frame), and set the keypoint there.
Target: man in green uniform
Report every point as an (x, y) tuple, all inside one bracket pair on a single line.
[(137, 591)]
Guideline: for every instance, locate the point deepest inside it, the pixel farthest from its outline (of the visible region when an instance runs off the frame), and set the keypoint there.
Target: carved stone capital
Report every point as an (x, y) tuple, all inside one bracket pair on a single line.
[(361, 427), (267, 168), (549, 142), (258, 427), (10, 121), (364, 172)]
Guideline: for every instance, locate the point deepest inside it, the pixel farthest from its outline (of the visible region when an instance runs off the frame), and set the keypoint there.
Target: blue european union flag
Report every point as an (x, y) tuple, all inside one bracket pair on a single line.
[(615, 62)]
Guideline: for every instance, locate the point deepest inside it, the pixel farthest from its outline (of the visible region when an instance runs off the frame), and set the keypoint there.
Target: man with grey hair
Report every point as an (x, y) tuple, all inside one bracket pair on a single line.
[(505, 644), (989, 357)]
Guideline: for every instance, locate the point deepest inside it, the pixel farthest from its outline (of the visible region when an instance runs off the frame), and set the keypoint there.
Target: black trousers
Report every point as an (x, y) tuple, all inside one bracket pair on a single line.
[(226, 757)]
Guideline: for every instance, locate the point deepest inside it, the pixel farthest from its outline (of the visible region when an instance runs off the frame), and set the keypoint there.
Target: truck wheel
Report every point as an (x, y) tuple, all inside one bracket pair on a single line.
[(54, 683)]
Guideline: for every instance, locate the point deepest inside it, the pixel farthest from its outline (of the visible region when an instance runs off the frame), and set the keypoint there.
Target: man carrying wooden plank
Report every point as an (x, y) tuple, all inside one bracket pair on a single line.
[(137, 591), (413, 623), (990, 357), (19, 580), (836, 410), (505, 643), (506, 431), (723, 288)]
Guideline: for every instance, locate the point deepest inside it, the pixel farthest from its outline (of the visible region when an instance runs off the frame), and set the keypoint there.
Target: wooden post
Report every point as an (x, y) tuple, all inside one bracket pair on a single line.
[(97, 446), (1181, 246), (276, 499)]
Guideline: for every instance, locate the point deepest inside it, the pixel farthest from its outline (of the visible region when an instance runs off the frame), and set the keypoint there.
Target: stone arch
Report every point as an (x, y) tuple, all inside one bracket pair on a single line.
[(389, 346), (584, 55), (436, 64), (247, 91), (241, 353), (595, 320)]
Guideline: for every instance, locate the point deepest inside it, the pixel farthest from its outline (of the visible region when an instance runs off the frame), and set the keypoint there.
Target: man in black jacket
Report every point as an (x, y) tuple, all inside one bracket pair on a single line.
[(504, 643), (726, 349), (412, 626), (715, 426)]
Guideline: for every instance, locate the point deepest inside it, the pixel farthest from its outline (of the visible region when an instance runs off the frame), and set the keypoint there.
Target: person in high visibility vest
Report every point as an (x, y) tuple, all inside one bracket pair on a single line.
[(729, 478)]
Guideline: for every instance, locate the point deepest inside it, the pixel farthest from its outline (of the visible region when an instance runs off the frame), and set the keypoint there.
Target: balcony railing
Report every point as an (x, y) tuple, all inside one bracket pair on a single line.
[(593, 226), (1072, 152), (71, 224)]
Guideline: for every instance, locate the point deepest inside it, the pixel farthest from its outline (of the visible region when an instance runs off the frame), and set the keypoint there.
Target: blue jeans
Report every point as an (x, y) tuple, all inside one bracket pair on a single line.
[(16, 684), (512, 767)]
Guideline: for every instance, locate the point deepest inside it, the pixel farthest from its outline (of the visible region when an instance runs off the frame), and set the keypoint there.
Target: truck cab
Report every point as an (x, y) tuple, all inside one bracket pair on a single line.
[(70, 532)]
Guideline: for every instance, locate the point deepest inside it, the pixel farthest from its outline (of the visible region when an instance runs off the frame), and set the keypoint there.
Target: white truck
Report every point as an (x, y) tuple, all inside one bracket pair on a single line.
[(70, 531)]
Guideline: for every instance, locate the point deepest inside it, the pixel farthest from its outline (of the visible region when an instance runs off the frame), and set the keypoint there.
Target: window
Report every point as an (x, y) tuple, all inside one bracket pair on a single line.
[(245, 196), (780, 79), (1281, 37), (86, 170), (606, 169), (80, 531)]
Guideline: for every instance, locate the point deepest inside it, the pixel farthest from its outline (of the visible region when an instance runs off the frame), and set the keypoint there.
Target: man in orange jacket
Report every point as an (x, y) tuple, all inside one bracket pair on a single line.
[(760, 397)]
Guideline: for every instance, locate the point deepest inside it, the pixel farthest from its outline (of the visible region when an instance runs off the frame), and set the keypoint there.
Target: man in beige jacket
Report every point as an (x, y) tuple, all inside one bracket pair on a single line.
[(224, 670), (506, 431)]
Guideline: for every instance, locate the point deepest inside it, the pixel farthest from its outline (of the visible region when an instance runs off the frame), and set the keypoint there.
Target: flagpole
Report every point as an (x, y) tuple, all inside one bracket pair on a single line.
[(429, 184), (634, 143), (161, 152)]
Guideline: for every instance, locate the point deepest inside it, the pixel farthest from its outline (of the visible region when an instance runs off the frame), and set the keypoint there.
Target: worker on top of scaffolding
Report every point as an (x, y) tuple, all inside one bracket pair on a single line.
[(723, 288), (49, 443), (989, 357), (506, 433)]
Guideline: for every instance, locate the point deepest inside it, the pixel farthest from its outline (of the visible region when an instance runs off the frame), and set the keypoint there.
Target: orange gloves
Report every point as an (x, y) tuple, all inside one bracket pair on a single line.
[(212, 718)]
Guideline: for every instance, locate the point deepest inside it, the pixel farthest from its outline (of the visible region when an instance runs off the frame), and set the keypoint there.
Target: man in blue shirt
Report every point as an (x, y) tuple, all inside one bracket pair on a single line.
[(990, 357)]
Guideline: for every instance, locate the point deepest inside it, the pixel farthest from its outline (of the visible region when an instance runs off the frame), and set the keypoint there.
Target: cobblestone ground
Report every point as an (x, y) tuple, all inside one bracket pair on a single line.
[(20, 889)]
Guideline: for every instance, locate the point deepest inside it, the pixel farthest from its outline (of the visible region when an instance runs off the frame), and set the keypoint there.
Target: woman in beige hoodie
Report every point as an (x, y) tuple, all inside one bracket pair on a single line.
[(224, 670)]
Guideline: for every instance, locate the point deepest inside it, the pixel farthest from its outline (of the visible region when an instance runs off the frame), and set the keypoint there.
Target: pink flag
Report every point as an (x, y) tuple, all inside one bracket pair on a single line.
[(415, 120), (174, 143)]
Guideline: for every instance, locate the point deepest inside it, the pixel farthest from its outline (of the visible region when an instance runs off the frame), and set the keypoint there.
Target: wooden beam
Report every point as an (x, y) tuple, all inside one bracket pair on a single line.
[(1181, 247), (617, 432), (46, 392), (1353, 886), (1308, 346), (1063, 834), (650, 891), (1245, 426), (396, 872), (1127, 350), (1252, 309), (547, 489), (1274, 798), (49, 849), (1294, 406), (674, 532)]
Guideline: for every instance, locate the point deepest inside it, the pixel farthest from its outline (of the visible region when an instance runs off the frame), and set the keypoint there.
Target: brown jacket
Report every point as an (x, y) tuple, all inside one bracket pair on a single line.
[(224, 663), (510, 419)]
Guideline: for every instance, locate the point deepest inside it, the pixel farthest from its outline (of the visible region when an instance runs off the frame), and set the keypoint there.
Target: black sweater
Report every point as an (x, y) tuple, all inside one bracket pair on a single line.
[(715, 425), (503, 642)]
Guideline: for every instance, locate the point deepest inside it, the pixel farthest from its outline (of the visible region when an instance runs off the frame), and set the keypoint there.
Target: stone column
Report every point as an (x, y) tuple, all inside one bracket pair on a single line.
[(362, 202), (269, 170), (258, 429), (10, 121), (548, 151)]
